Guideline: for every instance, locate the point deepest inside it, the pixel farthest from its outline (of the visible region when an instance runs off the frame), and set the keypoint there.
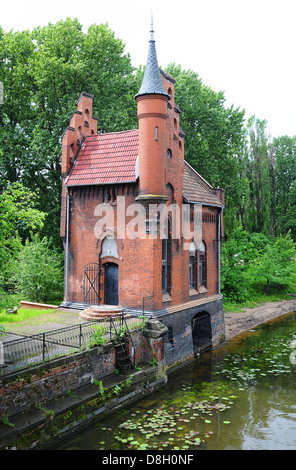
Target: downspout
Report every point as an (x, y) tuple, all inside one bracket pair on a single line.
[(67, 250), (219, 248)]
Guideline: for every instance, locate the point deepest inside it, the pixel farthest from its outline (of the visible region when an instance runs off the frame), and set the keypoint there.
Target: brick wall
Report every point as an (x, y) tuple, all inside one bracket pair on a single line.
[(23, 390)]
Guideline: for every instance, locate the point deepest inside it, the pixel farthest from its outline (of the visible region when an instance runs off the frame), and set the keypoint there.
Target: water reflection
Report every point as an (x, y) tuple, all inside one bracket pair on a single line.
[(239, 396)]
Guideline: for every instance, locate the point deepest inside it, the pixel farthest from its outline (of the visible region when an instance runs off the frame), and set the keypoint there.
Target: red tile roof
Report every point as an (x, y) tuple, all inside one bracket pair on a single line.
[(196, 189), (111, 158), (106, 158)]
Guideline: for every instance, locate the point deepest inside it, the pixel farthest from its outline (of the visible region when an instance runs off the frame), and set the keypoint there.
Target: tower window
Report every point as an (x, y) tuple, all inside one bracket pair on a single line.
[(192, 266), (166, 258), (169, 153), (202, 265), (156, 133)]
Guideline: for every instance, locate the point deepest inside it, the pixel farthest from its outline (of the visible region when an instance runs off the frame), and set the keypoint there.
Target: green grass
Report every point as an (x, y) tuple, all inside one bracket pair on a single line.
[(254, 301), (23, 315)]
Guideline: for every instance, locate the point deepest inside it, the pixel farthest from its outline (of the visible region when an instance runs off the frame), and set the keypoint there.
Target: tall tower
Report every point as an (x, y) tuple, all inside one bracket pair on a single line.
[(152, 100)]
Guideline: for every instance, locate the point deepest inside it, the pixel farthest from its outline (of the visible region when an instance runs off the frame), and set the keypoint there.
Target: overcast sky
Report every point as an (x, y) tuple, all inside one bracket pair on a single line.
[(245, 48)]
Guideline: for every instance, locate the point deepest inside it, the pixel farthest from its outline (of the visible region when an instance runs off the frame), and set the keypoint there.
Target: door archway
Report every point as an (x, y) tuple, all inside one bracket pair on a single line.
[(111, 283), (201, 332)]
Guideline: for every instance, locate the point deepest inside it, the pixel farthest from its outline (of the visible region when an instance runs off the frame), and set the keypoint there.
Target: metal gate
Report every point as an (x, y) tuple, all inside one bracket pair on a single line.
[(92, 284), (201, 333)]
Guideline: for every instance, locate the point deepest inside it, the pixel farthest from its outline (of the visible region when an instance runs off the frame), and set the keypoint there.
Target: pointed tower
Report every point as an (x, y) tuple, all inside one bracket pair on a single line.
[(152, 100)]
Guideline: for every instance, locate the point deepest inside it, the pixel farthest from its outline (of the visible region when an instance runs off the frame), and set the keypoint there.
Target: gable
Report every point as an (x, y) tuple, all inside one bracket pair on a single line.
[(196, 189)]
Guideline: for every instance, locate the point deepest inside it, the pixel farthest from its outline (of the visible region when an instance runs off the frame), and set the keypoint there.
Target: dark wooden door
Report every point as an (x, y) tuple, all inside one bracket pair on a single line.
[(111, 284)]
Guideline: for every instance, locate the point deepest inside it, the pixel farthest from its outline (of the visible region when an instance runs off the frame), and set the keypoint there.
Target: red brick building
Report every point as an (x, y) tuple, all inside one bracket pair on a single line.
[(139, 224)]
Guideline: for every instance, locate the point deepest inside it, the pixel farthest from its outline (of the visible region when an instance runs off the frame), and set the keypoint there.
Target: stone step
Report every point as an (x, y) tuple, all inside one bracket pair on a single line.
[(102, 311)]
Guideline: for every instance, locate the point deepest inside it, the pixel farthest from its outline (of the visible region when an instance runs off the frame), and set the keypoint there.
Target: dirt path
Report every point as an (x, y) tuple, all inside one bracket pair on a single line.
[(236, 323)]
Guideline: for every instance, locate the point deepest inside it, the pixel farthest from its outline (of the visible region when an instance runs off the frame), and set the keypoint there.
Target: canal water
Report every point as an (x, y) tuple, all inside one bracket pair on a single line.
[(241, 396)]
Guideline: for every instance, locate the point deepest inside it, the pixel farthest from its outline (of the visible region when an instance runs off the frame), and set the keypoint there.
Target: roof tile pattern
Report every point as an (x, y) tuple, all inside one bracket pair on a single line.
[(106, 158), (111, 158), (152, 82), (196, 189)]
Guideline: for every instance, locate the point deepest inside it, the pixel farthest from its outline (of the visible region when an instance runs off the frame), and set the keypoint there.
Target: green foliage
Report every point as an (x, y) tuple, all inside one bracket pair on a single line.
[(256, 263), (152, 362), (24, 314), (276, 266), (17, 217), (43, 73), (98, 335), (214, 133), (38, 271), (285, 184)]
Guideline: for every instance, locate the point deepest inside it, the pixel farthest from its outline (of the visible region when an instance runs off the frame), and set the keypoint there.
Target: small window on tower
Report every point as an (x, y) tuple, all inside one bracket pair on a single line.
[(156, 133), (169, 153)]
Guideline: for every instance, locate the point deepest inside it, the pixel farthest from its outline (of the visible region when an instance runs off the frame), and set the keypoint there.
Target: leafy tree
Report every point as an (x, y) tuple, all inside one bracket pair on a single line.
[(38, 271), (214, 135), (44, 72), (16, 113), (234, 257), (17, 217), (277, 265), (285, 184), (259, 167)]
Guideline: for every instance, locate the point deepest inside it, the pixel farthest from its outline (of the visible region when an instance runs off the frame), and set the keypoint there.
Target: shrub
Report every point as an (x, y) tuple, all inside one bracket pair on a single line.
[(38, 271)]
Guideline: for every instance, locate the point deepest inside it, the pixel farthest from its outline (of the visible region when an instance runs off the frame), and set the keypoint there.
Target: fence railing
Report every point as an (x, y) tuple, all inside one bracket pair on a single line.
[(23, 352), (145, 309)]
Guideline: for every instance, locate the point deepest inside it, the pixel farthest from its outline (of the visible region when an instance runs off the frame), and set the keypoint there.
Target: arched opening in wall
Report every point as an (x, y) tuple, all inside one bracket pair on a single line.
[(201, 332), (79, 135), (202, 267), (166, 257), (108, 258), (111, 284), (86, 117)]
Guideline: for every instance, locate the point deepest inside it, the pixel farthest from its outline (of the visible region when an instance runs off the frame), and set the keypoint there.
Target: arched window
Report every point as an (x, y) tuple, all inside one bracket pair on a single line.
[(202, 265), (109, 247), (192, 266), (166, 257)]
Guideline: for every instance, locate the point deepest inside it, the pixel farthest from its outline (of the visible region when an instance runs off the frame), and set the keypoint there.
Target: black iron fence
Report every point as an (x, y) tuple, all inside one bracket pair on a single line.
[(23, 352), (145, 309)]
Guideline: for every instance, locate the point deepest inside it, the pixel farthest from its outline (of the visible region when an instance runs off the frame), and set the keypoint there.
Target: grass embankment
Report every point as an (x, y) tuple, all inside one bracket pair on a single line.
[(254, 301), (25, 315)]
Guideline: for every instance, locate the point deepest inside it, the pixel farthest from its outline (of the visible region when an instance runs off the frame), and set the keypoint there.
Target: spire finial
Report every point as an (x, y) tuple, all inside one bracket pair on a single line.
[(152, 30)]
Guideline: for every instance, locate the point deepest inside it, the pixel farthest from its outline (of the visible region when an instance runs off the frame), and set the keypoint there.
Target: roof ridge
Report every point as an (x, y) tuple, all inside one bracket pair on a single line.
[(112, 133)]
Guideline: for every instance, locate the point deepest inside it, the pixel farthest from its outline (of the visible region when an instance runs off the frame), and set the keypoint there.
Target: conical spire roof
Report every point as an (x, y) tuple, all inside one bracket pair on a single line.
[(152, 83)]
